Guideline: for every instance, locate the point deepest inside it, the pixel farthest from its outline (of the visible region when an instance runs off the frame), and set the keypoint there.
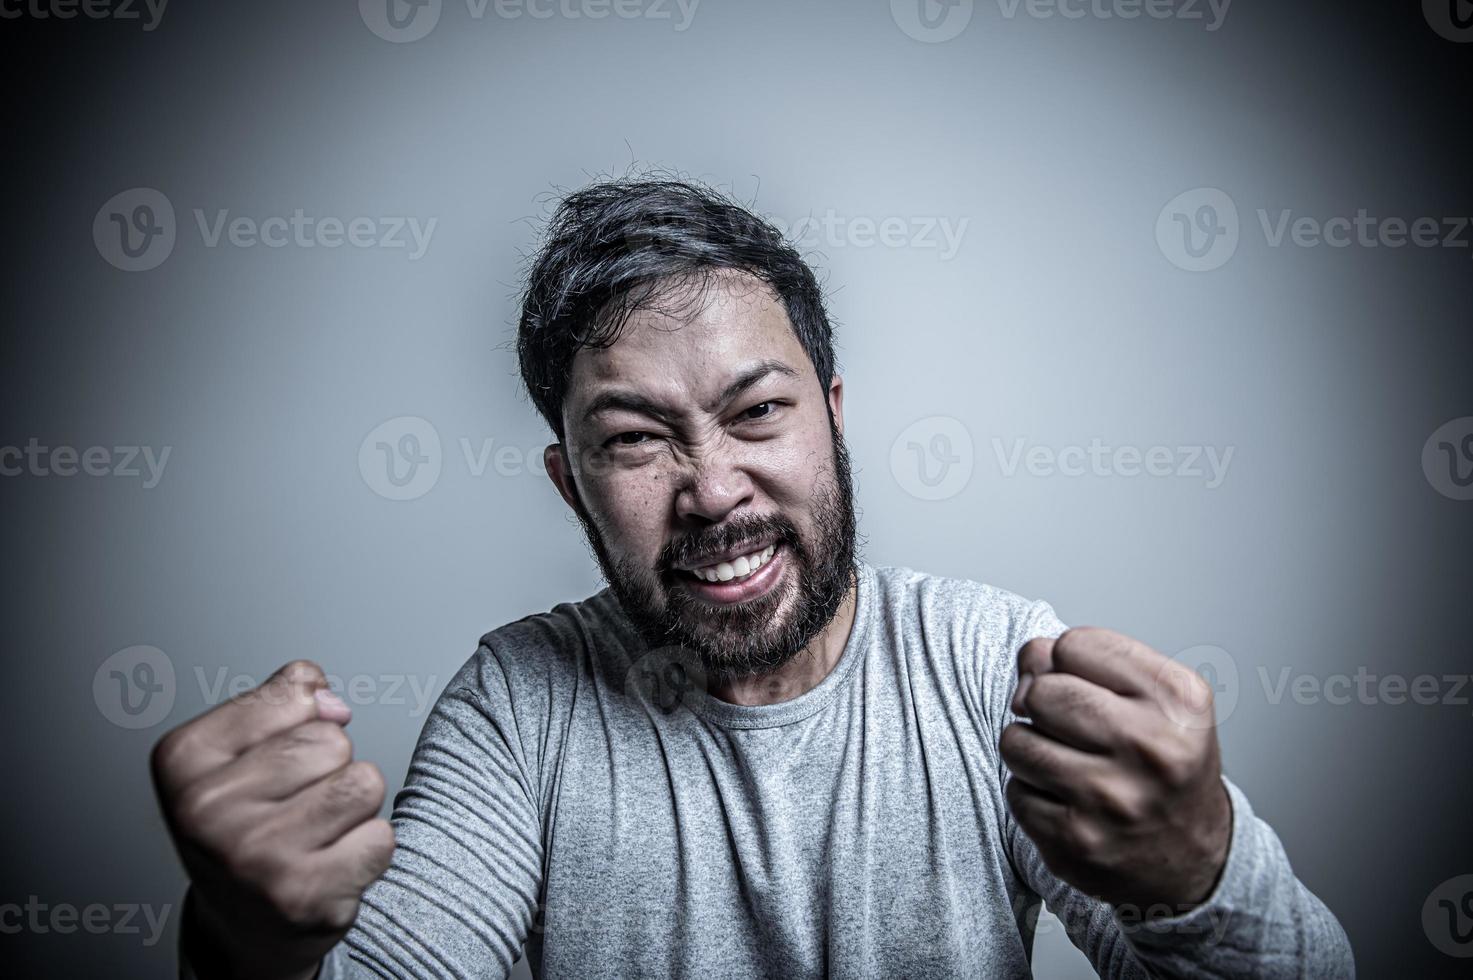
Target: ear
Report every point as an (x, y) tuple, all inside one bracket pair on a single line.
[(555, 461), (836, 401)]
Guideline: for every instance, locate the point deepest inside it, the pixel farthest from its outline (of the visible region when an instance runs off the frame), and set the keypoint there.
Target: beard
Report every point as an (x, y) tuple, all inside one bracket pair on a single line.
[(756, 637)]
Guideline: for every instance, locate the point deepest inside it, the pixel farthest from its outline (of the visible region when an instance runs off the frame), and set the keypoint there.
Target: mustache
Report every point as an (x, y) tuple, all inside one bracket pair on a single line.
[(729, 534)]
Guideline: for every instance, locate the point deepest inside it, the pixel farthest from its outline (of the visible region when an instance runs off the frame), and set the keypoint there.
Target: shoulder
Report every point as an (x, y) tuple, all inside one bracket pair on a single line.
[(962, 608), (965, 632), (547, 651)]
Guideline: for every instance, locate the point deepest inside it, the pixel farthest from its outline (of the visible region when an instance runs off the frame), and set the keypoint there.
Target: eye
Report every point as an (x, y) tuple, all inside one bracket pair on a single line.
[(760, 411), (629, 439)]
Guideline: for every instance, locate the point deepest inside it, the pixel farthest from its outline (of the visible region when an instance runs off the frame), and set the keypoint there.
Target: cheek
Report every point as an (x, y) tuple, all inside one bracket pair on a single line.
[(793, 471), (632, 508)]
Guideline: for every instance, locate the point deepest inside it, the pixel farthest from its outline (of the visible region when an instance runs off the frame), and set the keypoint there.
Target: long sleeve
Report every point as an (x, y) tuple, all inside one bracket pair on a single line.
[(1260, 920), (461, 894)]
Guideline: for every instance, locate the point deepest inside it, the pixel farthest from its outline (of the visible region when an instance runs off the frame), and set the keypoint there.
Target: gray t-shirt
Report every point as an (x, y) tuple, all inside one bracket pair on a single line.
[(574, 791)]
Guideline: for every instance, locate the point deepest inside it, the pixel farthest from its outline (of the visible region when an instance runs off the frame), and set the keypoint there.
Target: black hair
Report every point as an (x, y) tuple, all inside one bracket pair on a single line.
[(617, 246)]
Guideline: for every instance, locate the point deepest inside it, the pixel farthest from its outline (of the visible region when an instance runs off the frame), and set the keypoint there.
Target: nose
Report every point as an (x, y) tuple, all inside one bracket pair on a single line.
[(713, 487)]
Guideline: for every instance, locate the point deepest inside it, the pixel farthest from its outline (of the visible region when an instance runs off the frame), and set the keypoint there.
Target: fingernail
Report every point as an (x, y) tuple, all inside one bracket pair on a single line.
[(330, 707), (1025, 681)]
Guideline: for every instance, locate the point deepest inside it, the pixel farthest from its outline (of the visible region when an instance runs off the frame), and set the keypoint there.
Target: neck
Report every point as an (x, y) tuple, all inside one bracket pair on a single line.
[(802, 673)]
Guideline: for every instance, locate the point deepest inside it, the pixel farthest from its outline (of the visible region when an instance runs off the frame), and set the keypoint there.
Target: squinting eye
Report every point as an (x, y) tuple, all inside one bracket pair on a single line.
[(762, 410), (629, 438)]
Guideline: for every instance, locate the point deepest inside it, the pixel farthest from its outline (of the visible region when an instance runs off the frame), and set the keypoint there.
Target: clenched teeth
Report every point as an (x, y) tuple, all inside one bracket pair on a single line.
[(737, 569)]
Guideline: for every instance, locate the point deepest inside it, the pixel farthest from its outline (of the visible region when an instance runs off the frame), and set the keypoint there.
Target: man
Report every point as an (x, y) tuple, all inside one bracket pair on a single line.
[(753, 754)]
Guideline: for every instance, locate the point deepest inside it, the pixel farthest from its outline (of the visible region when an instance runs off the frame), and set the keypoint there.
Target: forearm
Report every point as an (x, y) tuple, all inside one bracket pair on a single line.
[(1259, 920), (205, 955)]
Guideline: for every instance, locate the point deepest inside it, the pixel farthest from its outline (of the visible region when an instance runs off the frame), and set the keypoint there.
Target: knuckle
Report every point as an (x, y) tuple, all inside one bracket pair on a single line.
[(1052, 688), (169, 753), (361, 786), (1009, 743), (1173, 760), (195, 810), (296, 902), (338, 915), (1117, 801), (1072, 644), (1035, 652), (320, 738), (381, 842), (1081, 837), (254, 861), (301, 672)]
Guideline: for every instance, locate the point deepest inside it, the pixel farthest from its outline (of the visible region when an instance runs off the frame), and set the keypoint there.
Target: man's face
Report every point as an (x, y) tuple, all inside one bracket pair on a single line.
[(710, 480)]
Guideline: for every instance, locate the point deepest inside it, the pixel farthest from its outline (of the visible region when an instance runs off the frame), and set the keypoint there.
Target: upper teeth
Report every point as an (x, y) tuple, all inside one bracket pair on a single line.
[(738, 568)]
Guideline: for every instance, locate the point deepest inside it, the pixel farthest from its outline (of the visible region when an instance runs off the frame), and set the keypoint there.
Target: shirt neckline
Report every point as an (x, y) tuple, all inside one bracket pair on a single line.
[(748, 716)]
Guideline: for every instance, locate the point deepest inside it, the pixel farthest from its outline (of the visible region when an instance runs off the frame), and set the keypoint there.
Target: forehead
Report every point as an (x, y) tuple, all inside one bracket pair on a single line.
[(689, 344)]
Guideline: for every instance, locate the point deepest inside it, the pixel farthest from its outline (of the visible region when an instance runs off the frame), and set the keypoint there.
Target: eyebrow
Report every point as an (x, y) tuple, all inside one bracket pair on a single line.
[(629, 401)]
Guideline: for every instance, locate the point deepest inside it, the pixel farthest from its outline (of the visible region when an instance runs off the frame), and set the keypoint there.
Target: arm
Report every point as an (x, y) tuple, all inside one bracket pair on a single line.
[(272, 895), (461, 894), (1136, 872)]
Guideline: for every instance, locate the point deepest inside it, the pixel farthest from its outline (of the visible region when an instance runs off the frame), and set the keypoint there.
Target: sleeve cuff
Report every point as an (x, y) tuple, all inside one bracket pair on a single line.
[(1209, 919)]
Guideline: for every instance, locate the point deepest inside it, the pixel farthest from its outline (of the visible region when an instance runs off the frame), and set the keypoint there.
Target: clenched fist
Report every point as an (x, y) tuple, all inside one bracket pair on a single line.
[(1118, 779), (276, 825)]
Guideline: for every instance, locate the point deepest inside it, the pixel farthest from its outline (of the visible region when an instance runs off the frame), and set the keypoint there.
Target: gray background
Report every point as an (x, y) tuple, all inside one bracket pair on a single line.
[(1059, 320)]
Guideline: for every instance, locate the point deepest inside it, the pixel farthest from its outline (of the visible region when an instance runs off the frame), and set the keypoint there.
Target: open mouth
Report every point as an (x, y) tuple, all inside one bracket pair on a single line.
[(739, 578)]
